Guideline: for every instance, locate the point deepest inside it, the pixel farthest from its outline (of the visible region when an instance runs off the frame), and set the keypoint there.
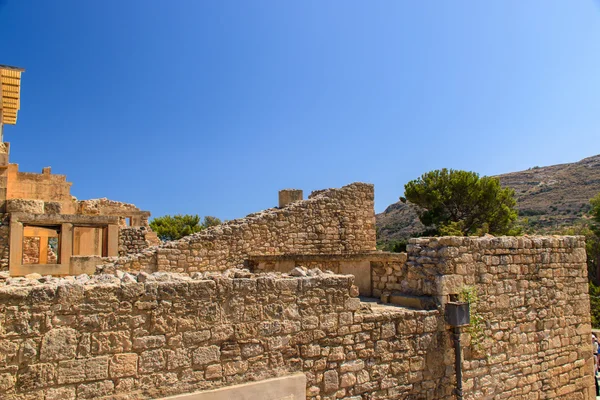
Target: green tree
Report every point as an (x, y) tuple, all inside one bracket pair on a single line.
[(210, 221), (594, 304), (592, 240), (595, 214), (592, 248), (455, 202), (173, 227), (591, 231)]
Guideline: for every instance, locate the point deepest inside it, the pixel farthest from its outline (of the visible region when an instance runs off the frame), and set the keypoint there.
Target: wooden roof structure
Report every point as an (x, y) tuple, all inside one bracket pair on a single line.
[(10, 92)]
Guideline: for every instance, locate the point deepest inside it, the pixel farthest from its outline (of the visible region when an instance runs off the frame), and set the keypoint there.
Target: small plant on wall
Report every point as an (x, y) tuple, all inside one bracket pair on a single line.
[(469, 295)]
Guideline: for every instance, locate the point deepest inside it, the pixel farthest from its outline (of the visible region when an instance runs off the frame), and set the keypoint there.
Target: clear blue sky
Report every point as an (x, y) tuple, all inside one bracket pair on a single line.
[(212, 107)]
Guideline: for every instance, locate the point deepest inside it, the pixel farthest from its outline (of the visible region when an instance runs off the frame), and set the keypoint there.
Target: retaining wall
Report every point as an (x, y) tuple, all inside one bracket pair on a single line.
[(144, 336), (332, 221)]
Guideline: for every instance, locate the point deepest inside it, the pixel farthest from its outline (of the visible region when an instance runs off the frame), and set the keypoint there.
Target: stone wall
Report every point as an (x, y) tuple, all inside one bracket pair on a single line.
[(45, 186), (151, 336), (143, 336), (31, 250), (534, 307), (333, 221), (370, 269), (122, 210), (133, 240)]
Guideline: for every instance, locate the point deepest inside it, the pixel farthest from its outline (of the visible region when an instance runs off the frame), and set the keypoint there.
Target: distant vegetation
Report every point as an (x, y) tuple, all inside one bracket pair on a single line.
[(454, 202), (549, 200), (175, 227), (592, 247)]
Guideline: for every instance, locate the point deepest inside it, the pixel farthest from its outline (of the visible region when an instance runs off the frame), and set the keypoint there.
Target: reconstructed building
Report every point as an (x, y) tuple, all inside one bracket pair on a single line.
[(44, 229)]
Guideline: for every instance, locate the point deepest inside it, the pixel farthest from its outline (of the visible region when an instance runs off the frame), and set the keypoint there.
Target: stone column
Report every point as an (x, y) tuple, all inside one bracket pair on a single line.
[(113, 241), (15, 246), (66, 244)]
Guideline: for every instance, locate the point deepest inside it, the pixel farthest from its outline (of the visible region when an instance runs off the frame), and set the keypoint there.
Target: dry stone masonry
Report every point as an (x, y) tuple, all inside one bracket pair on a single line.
[(134, 239), (139, 335), (533, 300), (333, 221), (145, 336)]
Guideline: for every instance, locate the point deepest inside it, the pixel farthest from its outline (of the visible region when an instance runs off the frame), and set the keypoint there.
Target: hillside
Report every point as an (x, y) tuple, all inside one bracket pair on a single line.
[(548, 198)]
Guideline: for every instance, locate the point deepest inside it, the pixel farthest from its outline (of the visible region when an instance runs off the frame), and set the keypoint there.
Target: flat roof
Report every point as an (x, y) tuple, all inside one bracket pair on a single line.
[(10, 93)]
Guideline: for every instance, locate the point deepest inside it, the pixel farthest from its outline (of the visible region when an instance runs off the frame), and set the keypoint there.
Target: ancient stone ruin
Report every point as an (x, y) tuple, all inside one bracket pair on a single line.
[(293, 302)]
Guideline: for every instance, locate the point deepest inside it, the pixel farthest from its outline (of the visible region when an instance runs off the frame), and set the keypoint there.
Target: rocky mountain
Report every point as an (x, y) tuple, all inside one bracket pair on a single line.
[(548, 199)]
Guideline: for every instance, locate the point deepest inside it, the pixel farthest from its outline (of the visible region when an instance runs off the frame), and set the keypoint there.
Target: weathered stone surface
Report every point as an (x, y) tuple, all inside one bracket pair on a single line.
[(152, 361), (206, 355), (59, 344), (36, 376), (110, 342), (134, 240), (331, 221), (62, 393), (25, 206), (214, 371), (95, 390), (331, 381), (171, 334), (122, 365)]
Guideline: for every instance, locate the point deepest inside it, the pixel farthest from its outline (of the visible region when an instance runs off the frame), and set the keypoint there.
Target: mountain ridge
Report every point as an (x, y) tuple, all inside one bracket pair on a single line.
[(548, 199)]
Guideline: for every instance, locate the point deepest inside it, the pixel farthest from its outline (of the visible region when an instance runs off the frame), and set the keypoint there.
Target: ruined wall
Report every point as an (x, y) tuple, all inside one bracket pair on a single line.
[(84, 339), (534, 306), (370, 269), (334, 221), (148, 336), (133, 240), (122, 210), (45, 186)]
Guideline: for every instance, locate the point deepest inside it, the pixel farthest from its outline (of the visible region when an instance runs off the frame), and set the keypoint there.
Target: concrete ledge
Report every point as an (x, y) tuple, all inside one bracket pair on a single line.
[(291, 387)]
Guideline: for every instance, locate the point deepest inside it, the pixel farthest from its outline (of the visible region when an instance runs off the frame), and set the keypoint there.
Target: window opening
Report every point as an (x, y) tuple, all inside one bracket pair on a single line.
[(41, 245)]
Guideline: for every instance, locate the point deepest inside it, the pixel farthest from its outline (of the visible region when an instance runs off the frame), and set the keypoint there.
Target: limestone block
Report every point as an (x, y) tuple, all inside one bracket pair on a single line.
[(110, 342), (36, 376), (195, 338), (52, 207), (234, 367), (95, 390), (179, 358), (72, 371), (152, 361), (252, 350), (59, 344), (331, 381), (62, 393), (348, 380), (7, 381), (214, 371), (122, 365), (96, 368), (149, 342), (25, 206), (206, 355), (449, 284)]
